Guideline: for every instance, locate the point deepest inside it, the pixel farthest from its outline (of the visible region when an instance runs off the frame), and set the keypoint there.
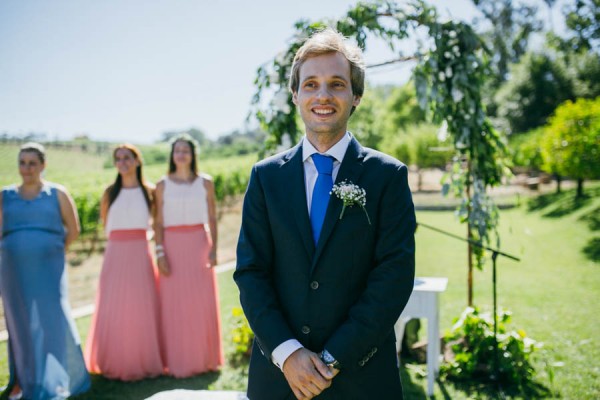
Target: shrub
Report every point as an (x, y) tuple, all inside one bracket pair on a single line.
[(526, 150), (88, 209), (242, 337), (571, 144), (472, 343)]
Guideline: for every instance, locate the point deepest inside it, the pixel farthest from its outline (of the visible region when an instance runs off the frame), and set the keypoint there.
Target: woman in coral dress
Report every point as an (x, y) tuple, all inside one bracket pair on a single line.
[(45, 359), (186, 253), (124, 339)]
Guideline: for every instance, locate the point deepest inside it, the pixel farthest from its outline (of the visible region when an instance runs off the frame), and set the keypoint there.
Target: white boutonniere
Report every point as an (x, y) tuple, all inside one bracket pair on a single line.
[(350, 195)]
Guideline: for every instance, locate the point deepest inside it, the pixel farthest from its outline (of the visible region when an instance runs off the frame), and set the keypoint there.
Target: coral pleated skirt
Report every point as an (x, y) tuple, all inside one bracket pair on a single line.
[(191, 326), (124, 338)]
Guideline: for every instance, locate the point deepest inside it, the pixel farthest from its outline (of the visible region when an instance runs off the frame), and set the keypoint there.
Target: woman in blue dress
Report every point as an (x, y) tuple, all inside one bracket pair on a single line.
[(38, 221)]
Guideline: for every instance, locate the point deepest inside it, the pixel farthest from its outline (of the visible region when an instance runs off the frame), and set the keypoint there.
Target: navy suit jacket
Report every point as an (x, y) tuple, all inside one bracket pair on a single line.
[(345, 293)]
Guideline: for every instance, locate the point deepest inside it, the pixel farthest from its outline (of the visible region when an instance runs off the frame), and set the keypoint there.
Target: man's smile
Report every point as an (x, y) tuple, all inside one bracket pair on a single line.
[(323, 110)]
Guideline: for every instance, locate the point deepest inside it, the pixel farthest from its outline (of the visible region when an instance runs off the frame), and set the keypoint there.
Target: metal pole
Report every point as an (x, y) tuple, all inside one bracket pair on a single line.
[(496, 375)]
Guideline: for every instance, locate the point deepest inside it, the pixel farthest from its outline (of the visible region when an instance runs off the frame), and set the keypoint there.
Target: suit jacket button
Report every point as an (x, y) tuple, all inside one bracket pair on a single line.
[(314, 285), (361, 363), (305, 330)]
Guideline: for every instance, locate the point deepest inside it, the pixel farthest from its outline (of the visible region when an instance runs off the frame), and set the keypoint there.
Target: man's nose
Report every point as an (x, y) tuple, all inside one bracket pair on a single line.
[(323, 93)]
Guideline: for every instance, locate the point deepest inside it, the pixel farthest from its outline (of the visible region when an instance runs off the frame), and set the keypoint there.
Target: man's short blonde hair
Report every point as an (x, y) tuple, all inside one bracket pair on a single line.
[(330, 41)]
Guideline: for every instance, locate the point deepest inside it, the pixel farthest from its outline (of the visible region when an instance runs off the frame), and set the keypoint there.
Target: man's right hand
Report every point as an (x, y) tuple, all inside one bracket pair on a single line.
[(306, 374)]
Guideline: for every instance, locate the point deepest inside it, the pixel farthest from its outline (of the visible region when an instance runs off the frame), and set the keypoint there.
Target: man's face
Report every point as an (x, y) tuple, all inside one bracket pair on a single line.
[(324, 97)]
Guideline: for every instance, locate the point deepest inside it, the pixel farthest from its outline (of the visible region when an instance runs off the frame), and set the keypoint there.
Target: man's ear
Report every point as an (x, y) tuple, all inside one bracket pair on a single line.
[(295, 97), (356, 101)]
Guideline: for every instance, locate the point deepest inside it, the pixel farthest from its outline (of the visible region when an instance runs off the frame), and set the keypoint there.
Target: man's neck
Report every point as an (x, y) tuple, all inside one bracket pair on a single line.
[(323, 142)]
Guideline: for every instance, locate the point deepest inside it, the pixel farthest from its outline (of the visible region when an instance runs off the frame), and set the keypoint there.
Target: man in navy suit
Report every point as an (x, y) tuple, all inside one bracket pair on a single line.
[(322, 284)]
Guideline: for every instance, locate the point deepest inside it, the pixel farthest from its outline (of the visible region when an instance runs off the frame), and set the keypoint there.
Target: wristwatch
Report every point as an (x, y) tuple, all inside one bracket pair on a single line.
[(329, 360)]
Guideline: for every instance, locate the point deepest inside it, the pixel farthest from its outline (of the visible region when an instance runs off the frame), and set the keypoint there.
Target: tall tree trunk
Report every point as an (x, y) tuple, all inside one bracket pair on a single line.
[(558, 181), (579, 188)]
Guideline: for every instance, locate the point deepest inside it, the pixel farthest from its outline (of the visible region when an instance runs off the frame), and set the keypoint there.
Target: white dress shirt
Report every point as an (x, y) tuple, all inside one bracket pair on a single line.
[(337, 151)]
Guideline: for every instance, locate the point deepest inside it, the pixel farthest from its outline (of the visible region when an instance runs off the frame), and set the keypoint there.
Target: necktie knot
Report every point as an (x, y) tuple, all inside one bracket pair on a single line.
[(323, 163)]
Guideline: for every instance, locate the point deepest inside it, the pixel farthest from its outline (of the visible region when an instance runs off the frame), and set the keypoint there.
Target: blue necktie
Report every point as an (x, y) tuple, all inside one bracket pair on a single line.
[(320, 196)]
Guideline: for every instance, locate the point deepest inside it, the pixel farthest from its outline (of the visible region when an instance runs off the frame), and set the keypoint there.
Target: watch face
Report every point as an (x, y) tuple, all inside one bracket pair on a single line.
[(327, 357)]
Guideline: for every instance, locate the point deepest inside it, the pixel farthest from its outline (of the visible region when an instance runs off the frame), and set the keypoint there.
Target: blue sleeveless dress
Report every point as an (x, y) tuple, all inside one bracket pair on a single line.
[(44, 347)]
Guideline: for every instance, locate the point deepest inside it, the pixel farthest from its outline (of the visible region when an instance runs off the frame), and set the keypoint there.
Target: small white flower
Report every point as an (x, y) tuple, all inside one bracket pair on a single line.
[(280, 57), (274, 78), (442, 134), (350, 194), (452, 34), (457, 95), (280, 101), (441, 76), (447, 54), (449, 71), (456, 50)]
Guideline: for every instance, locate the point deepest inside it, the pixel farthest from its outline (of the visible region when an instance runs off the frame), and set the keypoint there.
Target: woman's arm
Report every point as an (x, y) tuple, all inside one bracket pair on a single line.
[(69, 215), (161, 259), (209, 185), (104, 207), (1, 215)]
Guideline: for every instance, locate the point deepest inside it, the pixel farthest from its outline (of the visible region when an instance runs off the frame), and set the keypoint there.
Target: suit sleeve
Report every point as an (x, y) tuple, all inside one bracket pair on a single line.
[(254, 270), (390, 282)]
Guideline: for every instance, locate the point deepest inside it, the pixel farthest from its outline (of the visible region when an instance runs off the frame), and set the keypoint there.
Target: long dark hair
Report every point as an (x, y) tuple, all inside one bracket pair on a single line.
[(192, 143), (115, 188)]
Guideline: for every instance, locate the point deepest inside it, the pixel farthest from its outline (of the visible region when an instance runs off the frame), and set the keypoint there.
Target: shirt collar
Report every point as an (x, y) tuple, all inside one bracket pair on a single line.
[(337, 151)]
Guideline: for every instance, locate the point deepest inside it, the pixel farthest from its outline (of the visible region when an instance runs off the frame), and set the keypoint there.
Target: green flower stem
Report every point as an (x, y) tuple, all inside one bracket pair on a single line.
[(343, 209), (367, 214)]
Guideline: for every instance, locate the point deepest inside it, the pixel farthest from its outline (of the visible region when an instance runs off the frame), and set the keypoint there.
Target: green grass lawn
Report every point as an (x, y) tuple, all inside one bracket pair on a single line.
[(552, 292)]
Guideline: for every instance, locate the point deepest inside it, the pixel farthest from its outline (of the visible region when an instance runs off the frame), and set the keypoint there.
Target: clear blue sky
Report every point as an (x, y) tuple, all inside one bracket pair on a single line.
[(129, 70)]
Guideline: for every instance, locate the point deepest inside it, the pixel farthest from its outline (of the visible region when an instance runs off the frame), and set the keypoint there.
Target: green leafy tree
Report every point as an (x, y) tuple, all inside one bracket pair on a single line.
[(571, 144), (583, 70), (365, 119), (537, 86), (582, 18), (402, 108), (386, 111), (510, 27), (526, 150)]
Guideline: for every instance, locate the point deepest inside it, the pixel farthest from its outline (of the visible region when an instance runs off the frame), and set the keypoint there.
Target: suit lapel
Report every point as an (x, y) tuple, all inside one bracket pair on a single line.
[(297, 188), (350, 170)]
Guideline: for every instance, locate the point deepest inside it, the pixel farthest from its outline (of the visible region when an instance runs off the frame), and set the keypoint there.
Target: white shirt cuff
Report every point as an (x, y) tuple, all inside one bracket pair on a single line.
[(283, 351)]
